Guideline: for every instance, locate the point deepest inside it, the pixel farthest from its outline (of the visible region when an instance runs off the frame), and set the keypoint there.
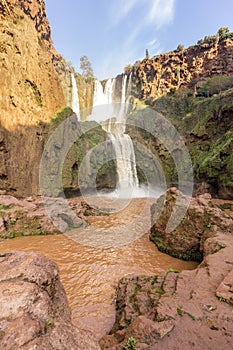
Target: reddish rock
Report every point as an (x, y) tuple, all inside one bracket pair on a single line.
[(34, 309), (186, 310), (32, 93), (201, 221), (192, 307), (155, 76), (225, 289), (29, 217)]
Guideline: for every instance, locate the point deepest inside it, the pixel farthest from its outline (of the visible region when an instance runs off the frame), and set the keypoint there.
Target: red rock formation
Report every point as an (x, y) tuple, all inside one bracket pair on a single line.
[(201, 221), (34, 309), (35, 10), (155, 76), (30, 91), (186, 310)]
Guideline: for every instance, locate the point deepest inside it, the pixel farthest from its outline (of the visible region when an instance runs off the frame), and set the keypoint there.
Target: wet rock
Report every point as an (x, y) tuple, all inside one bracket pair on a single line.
[(34, 309), (186, 307), (186, 310), (199, 223), (29, 216), (225, 289)]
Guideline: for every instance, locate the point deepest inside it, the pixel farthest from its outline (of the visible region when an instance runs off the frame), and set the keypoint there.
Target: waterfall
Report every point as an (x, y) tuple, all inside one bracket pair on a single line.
[(122, 143), (103, 106), (125, 161), (99, 96), (75, 99), (122, 112)]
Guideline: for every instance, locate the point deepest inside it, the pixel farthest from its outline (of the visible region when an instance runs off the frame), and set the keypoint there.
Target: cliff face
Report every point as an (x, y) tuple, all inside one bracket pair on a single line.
[(30, 91), (35, 10), (206, 126), (155, 76)]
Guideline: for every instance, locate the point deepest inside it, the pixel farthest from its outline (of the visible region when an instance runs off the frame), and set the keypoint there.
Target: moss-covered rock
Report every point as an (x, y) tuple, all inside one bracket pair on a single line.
[(89, 158), (89, 161), (206, 125), (200, 222)]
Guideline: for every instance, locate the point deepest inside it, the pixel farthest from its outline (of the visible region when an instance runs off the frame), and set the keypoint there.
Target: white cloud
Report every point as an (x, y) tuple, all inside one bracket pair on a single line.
[(152, 42), (121, 9), (160, 13), (157, 12), (153, 14)]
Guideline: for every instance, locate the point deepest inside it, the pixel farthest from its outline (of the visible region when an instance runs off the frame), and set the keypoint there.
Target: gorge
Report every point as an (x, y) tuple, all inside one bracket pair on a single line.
[(140, 221)]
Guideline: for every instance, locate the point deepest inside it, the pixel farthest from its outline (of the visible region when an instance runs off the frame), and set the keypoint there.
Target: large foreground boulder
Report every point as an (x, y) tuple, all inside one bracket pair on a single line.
[(201, 221), (34, 311)]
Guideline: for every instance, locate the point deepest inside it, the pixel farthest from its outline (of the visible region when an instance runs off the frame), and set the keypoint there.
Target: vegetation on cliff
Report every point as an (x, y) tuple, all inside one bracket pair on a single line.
[(204, 119), (211, 56)]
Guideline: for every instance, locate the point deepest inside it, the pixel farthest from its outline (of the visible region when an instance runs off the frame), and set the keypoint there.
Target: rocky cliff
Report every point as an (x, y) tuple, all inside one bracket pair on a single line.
[(30, 91), (155, 76), (205, 123)]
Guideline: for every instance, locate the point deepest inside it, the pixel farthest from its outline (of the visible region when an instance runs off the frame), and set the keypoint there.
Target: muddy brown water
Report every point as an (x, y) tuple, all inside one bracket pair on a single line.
[(90, 274)]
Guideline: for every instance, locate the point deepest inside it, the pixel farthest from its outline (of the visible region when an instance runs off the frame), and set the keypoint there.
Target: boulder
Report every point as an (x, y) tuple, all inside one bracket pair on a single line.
[(188, 309), (34, 309), (200, 222)]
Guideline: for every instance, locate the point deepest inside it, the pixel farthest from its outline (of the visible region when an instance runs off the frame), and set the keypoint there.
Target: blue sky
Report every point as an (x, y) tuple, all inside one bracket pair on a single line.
[(114, 33)]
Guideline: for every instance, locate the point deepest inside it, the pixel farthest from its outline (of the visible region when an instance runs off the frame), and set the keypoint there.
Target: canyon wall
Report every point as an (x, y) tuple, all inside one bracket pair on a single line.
[(30, 92), (36, 84), (155, 76), (193, 89)]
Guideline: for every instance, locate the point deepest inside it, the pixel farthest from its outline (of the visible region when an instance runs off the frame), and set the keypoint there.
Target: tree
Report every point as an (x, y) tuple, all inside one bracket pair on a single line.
[(223, 32), (128, 69), (180, 47), (86, 67), (147, 54), (70, 66)]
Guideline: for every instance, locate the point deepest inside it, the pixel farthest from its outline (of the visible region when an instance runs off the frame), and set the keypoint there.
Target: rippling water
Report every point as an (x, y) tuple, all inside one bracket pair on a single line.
[(90, 274)]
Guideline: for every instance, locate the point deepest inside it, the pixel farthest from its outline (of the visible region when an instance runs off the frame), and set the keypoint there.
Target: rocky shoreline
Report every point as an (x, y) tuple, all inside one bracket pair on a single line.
[(186, 310), (28, 217), (176, 310)]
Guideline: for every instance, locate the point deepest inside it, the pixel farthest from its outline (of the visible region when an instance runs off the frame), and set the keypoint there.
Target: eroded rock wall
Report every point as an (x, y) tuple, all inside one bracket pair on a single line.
[(155, 76), (30, 92)]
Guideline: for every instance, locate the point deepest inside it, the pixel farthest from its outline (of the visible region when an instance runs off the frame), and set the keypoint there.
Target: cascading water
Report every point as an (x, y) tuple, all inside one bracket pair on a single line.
[(122, 143), (125, 161), (122, 112), (75, 99), (99, 96), (103, 107)]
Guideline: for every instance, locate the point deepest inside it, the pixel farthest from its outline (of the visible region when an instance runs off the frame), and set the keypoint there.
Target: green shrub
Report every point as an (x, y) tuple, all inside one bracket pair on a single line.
[(131, 344), (215, 85), (63, 113), (128, 69), (223, 33)]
